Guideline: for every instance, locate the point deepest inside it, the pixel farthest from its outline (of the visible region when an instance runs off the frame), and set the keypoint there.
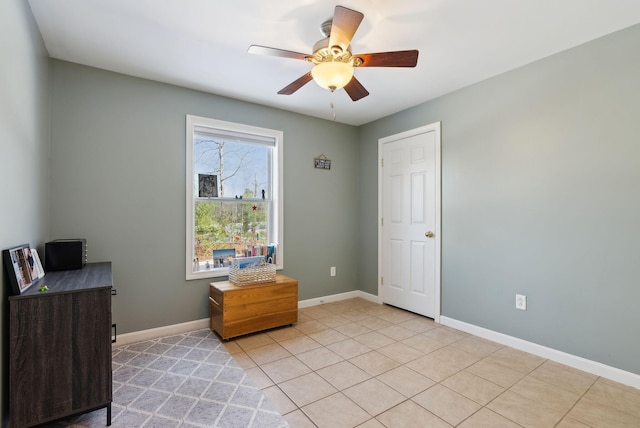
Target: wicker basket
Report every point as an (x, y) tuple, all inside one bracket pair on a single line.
[(252, 275)]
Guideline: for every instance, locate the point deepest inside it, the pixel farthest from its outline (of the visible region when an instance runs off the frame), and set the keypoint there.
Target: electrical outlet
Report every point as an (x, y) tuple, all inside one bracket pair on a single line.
[(333, 271), (521, 302)]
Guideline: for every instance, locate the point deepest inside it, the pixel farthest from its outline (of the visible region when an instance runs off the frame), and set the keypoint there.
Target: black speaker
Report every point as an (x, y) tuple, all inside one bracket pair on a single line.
[(65, 254)]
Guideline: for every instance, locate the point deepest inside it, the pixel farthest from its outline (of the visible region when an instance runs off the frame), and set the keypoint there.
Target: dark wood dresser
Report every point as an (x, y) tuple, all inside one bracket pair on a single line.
[(60, 346)]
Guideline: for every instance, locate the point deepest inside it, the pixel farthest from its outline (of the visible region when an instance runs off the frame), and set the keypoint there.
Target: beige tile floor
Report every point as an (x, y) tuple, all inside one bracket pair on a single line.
[(355, 363)]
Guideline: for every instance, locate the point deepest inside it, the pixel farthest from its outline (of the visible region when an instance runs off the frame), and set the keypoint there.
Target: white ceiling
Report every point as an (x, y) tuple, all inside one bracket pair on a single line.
[(202, 44)]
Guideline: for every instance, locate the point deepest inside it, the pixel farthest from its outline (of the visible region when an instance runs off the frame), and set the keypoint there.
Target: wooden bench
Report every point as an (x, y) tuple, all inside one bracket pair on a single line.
[(241, 309)]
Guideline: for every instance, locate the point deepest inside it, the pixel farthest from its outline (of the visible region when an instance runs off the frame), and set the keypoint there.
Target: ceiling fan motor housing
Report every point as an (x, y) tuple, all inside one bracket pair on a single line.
[(322, 52), (325, 27)]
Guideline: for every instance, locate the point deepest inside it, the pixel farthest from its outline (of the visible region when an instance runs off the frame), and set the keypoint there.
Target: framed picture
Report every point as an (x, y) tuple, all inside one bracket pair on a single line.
[(223, 257), (207, 186), (17, 264), (37, 271)]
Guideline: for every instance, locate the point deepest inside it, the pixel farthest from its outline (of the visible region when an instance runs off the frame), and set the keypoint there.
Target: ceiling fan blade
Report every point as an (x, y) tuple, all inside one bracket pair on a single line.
[(264, 50), (344, 26), (355, 89), (389, 59), (296, 84)]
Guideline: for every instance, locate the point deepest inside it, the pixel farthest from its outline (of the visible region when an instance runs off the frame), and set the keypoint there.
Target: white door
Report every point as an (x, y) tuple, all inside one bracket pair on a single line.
[(409, 208)]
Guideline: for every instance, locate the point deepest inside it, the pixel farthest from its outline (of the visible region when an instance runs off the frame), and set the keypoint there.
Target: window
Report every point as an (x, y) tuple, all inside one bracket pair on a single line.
[(234, 195)]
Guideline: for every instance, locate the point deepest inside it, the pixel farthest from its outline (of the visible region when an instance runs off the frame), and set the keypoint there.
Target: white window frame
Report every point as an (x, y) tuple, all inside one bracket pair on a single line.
[(276, 191)]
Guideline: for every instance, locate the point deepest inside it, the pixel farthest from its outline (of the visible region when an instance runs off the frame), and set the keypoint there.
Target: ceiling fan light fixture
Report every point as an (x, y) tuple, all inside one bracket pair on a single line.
[(332, 75)]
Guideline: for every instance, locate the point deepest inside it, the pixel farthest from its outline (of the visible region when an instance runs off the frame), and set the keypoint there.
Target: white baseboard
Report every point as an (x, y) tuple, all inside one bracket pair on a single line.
[(589, 366), (168, 330), (139, 336), (337, 297)]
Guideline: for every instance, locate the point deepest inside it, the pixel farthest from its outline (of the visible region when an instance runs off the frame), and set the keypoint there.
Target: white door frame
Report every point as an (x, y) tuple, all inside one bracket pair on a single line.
[(438, 200)]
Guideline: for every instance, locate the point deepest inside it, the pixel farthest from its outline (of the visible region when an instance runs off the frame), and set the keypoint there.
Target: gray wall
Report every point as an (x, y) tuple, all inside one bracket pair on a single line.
[(24, 147), (540, 185), (118, 180)]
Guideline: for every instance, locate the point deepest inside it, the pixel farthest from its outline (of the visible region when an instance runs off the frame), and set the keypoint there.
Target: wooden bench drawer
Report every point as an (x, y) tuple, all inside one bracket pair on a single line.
[(237, 310)]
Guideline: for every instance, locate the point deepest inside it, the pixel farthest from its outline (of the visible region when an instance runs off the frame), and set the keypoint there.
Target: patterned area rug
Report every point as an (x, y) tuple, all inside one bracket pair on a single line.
[(184, 380)]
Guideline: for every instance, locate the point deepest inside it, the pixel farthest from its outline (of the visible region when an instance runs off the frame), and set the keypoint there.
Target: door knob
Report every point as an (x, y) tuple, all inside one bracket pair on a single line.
[(429, 234)]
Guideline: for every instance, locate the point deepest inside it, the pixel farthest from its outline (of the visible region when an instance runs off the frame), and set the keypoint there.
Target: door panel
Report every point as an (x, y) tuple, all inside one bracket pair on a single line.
[(395, 256), (410, 222), (417, 198)]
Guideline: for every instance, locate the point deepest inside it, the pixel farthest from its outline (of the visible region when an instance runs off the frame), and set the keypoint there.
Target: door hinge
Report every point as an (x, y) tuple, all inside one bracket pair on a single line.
[(382, 280), (382, 162), (381, 221)]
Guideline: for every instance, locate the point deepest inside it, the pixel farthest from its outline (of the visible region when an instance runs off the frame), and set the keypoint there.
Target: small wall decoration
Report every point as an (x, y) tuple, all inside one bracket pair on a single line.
[(322, 162), (207, 186)]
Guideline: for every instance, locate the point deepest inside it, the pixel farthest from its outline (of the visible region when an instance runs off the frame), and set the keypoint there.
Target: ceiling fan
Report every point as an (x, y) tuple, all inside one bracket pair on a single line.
[(333, 60)]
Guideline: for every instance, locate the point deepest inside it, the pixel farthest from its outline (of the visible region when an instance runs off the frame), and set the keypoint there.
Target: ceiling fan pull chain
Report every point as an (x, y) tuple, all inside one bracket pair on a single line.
[(333, 109)]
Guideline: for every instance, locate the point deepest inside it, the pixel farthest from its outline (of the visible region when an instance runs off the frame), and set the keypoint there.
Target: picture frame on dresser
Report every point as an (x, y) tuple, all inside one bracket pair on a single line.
[(17, 268), (37, 268)]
